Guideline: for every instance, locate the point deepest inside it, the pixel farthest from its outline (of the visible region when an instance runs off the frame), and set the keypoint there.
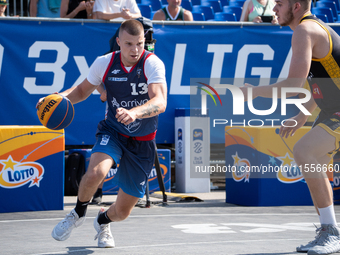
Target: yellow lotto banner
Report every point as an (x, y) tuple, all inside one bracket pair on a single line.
[(260, 167), (31, 168)]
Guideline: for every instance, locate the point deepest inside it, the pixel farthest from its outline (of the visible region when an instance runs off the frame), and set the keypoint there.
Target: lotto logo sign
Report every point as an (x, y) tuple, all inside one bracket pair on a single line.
[(14, 174), (31, 160)]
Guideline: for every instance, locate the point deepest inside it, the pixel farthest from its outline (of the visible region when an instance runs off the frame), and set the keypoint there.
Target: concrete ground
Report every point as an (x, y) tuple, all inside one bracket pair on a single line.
[(207, 227)]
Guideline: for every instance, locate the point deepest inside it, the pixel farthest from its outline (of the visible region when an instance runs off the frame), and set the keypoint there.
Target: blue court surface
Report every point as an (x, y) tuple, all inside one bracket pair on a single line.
[(207, 227)]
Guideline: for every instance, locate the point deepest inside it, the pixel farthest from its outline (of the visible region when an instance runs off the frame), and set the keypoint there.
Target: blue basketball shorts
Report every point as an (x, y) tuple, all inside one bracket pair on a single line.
[(134, 159)]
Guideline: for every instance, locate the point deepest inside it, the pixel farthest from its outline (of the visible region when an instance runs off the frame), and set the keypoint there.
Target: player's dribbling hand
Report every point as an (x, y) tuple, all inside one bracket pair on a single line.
[(41, 99), (125, 116), (39, 103)]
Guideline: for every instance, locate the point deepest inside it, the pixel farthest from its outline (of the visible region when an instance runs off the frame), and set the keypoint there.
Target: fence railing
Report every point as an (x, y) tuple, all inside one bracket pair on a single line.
[(18, 8)]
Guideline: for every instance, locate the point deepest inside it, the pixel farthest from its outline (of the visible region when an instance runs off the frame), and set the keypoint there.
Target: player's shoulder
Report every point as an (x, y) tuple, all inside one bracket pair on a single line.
[(308, 26), (152, 57), (310, 30), (152, 61), (105, 56), (103, 60)]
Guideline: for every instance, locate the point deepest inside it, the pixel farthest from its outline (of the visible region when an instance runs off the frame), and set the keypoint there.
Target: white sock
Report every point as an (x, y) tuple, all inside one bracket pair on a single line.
[(327, 215)]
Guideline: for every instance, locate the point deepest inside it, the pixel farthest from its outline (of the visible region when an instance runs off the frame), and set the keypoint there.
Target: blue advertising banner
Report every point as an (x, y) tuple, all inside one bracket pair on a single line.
[(39, 57)]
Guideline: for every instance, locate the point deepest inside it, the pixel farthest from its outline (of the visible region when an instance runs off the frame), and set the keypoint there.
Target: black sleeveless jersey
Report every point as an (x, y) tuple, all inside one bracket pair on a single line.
[(128, 89), (324, 74)]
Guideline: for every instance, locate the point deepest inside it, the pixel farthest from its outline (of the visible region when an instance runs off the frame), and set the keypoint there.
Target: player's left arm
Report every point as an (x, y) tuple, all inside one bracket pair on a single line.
[(80, 92), (155, 106), (157, 103)]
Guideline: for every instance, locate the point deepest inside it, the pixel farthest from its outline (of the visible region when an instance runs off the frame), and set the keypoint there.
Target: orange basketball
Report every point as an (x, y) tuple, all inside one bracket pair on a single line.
[(55, 112)]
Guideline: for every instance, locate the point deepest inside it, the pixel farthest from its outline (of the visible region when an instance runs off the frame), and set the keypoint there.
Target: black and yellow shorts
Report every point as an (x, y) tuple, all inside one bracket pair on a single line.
[(332, 125)]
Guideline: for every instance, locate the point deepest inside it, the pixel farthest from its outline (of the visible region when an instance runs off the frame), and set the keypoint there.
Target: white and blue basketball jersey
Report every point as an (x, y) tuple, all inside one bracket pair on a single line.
[(127, 89)]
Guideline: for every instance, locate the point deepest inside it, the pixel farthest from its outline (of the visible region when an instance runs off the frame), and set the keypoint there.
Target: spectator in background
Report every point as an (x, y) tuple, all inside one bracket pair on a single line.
[(254, 9), (3, 6), (18, 8), (45, 8), (76, 9), (116, 9), (173, 11)]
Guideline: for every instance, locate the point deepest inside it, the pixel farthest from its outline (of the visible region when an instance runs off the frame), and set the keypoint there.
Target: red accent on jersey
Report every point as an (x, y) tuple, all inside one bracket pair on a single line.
[(108, 67), (148, 137), (317, 94)]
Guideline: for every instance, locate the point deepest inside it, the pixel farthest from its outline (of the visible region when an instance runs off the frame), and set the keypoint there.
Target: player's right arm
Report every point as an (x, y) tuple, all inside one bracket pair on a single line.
[(94, 79), (79, 93)]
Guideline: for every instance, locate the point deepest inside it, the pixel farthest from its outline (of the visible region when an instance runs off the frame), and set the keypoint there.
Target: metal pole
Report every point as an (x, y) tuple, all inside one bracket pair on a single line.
[(21, 8), (14, 7)]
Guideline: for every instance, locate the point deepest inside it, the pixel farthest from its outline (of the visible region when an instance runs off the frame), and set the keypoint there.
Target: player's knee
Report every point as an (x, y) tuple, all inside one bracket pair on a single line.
[(297, 154), (94, 177), (300, 153)]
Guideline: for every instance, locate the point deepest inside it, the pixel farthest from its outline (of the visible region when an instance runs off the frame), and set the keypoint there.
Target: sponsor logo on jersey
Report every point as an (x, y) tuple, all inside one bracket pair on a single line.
[(117, 78), (134, 126), (133, 103), (114, 102), (317, 94), (115, 71), (139, 72)]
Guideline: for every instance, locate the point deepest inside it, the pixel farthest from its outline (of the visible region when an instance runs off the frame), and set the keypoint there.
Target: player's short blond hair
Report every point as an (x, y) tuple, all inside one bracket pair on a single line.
[(132, 27)]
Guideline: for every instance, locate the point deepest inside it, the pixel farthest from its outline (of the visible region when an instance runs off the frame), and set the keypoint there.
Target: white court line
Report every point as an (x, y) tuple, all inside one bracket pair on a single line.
[(172, 244), (181, 215)]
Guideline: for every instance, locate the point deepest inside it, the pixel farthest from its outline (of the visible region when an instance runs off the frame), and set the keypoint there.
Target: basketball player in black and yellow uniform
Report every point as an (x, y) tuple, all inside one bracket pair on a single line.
[(316, 56), (324, 82), (173, 12)]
